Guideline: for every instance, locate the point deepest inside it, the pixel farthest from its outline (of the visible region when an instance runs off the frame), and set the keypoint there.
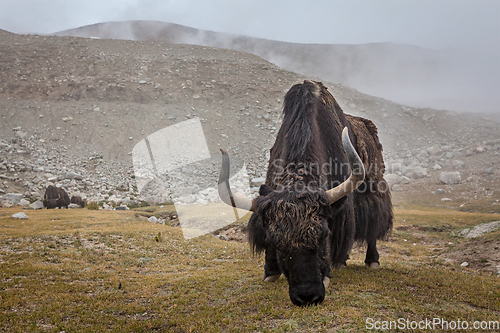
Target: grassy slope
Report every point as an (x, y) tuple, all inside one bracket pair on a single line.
[(98, 271)]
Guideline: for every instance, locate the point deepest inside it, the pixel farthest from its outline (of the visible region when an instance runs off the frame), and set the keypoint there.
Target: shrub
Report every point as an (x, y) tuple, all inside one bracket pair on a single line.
[(93, 205)]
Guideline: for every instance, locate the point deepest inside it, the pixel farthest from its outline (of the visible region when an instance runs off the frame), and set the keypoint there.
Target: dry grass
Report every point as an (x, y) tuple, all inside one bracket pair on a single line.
[(108, 271)]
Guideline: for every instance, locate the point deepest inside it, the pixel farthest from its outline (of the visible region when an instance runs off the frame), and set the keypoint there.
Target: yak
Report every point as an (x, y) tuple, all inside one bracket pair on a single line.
[(55, 197), (76, 199), (324, 190)]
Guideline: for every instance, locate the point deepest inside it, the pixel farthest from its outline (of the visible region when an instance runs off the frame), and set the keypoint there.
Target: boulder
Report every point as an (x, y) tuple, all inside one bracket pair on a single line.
[(416, 172), (15, 198), (488, 171), (21, 216), (450, 178), (36, 205), (392, 179), (5, 203), (457, 164), (24, 202)]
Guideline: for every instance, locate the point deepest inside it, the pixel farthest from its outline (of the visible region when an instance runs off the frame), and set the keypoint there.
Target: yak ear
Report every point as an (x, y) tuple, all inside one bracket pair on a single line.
[(257, 233), (264, 190)]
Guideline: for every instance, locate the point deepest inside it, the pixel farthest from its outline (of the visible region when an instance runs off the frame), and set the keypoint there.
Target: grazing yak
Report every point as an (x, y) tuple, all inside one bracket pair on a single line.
[(324, 190), (76, 199), (55, 197)]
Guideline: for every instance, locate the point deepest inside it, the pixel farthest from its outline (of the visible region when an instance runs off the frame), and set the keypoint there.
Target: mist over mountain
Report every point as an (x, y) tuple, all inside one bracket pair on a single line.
[(451, 79)]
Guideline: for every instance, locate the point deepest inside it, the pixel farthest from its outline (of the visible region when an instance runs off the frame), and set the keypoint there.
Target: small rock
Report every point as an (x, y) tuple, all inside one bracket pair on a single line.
[(434, 150), (73, 175), (464, 264), (72, 206), (488, 171), (440, 191), (153, 219), (21, 216), (256, 182), (450, 177)]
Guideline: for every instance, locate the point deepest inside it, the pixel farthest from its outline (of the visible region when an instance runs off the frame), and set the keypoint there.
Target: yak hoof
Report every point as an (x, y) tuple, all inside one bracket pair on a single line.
[(271, 278), (326, 281), (372, 265)]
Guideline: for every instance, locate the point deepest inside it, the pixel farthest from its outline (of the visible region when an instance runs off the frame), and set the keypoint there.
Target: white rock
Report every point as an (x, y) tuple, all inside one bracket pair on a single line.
[(73, 175), (36, 205), (464, 264), (15, 198), (434, 150), (21, 216), (392, 179), (24, 202), (256, 182), (153, 219), (480, 229), (450, 177)]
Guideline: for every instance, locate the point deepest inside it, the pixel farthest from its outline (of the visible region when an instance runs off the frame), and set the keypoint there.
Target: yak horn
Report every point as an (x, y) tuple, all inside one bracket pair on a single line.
[(236, 200), (357, 171)]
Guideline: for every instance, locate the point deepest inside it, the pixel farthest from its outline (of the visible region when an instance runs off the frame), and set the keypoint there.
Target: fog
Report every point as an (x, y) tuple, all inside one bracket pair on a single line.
[(427, 23), (456, 65)]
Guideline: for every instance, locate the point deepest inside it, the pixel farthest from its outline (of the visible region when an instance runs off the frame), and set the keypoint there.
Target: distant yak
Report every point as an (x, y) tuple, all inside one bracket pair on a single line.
[(324, 190), (76, 199), (55, 197)]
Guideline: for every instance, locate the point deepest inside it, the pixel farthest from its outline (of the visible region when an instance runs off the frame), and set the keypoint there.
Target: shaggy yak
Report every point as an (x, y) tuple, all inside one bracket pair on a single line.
[(322, 193), (55, 197), (76, 199)]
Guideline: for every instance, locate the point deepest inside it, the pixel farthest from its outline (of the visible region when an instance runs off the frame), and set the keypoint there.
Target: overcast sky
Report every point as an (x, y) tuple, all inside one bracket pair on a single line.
[(427, 23)]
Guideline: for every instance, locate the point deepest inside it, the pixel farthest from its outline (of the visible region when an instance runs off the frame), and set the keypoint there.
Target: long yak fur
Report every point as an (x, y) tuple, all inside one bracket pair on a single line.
[(309, 138)]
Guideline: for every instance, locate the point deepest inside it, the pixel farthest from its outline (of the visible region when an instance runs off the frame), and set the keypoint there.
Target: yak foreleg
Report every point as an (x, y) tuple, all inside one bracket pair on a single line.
[(272, 270), (372, 255)]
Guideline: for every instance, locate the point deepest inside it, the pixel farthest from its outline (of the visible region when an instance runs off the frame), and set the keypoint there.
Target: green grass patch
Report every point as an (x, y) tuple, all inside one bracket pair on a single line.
[(86, 270)]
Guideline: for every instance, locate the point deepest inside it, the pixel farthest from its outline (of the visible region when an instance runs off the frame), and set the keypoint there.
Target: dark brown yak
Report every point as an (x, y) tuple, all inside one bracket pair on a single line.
[(55, 197), (320, 195), (76, 199)]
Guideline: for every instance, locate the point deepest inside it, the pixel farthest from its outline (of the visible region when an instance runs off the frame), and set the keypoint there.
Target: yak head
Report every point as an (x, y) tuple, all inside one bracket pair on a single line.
[(295, 225), (292, 223)]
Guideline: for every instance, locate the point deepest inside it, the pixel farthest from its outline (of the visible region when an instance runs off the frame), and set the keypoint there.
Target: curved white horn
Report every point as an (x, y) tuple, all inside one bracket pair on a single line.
[(236, 200), (357, 171)]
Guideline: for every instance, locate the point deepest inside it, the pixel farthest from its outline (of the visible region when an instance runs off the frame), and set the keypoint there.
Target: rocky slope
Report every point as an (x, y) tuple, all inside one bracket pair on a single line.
[(73, 105), (451, 79)]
